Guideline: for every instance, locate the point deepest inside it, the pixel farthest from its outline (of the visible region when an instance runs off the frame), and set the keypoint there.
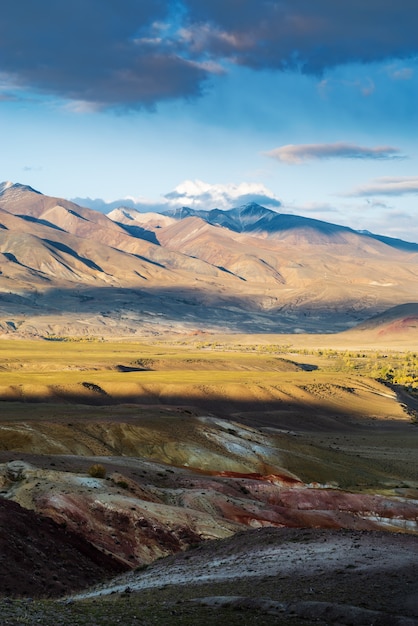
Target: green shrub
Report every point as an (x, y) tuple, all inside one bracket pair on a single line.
[(97, 471)]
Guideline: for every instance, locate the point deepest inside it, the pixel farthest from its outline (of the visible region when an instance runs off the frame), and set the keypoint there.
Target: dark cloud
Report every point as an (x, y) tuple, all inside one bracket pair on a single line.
[(306, 35), (138, 52), (100, 51)]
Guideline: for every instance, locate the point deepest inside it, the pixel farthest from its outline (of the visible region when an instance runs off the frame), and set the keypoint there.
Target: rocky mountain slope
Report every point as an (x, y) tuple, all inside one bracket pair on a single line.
[(66, 269)]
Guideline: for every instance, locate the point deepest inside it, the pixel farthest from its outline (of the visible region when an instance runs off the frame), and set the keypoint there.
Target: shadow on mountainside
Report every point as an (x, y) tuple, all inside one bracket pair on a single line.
[(43, 558), (162, 306)]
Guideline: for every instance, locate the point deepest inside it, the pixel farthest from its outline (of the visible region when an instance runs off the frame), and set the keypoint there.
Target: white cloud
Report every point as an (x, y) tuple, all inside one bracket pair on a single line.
[(296, 154), (369, 88), (195, 194), (82, 106), (397, 186), (377, 204), (400, 73), (200, 195)]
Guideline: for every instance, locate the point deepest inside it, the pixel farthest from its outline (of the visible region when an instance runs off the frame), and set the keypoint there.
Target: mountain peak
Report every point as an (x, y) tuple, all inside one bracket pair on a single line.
[(252, 206), (180, 213), (250, 213), (5, 185), (10, 187)]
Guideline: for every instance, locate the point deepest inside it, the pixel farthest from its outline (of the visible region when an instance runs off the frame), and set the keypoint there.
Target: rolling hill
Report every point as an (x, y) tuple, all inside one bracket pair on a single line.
[(397, 323)]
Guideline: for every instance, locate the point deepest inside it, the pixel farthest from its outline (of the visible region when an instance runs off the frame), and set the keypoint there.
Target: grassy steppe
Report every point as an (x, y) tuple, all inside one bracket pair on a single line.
[(331, 417)]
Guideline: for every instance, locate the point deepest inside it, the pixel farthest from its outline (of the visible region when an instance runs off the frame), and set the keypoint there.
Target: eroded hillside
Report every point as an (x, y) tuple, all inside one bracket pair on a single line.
[(196, 444)]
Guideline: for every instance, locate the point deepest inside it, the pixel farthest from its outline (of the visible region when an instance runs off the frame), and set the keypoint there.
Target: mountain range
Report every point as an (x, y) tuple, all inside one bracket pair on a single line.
[(67, 269)]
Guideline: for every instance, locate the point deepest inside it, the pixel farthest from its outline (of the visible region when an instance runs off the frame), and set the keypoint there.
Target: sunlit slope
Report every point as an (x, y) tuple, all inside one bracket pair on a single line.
[(400, 322), (69, 270), (299, 268), (61, 241)]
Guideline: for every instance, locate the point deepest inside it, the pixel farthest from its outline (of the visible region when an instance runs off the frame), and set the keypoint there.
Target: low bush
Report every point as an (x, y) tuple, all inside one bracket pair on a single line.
[(97, 471)]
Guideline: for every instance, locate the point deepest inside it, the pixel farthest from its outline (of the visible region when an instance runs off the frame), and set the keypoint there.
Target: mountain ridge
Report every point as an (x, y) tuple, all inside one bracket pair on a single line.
[(247, 269), (255, 218)]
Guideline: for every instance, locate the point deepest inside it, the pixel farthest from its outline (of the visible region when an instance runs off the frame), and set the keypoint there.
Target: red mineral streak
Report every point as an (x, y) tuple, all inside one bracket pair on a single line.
[(400, 325), (278, 479)]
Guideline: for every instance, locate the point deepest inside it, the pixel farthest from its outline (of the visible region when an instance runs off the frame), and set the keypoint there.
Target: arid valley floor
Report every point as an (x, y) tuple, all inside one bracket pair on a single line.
[(222, 479)]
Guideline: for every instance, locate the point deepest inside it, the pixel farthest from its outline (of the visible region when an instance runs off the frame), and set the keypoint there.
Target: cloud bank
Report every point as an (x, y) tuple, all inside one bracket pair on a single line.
[(195, 194), (296, 154), (200, 195), (143, 52)]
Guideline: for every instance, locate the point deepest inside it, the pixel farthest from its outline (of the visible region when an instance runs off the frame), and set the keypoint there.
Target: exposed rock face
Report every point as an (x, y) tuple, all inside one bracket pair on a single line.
[(15, 471), (399, 320)]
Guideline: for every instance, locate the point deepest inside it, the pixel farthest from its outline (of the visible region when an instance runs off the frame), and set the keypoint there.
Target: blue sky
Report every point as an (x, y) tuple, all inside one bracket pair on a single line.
[(306, 107)]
